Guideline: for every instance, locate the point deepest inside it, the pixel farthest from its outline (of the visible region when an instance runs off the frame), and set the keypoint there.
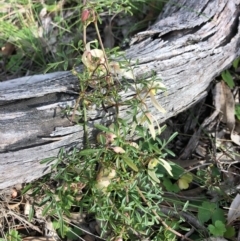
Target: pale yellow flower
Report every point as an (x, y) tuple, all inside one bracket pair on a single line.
[(93, 58), (148, 119)]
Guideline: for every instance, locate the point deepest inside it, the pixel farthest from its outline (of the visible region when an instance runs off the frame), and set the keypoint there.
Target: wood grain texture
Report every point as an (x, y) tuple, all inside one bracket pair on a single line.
[(188, 46)]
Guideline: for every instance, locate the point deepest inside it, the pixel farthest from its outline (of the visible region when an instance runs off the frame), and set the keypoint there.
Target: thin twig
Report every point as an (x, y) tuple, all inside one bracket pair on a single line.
[(75, 108), (103, 49), (189, 218), (23, 220)]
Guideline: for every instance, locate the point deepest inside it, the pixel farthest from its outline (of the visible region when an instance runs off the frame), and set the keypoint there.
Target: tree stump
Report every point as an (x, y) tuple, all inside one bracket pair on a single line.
[(188, 46)]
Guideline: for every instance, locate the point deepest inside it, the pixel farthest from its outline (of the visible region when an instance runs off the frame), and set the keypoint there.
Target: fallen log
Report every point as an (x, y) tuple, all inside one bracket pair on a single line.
[(190, 44)]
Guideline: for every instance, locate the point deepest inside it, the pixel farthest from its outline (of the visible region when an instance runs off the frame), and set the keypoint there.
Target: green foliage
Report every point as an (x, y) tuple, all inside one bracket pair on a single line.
[(237, 111), (130, 162), (230, 232), (170, 187), (12, 235), (210, 211), (218, 229), (236, 63), (227, 77)]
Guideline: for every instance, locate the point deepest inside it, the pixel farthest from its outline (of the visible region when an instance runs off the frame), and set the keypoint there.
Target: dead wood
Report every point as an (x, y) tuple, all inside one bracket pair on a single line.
[(188, 46)]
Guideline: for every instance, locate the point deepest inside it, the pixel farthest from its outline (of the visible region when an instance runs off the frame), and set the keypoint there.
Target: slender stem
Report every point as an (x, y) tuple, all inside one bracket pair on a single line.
[(84, 35), (85, 127), (75, 107), (103, 49), (84, 28)]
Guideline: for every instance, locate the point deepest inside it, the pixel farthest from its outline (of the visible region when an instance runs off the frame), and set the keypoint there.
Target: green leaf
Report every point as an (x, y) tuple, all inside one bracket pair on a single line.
[(218, 229), (171, 137), (237, 111), (87, 152), (31, 213), (170, 186), (206, 211), (230, 232), (129, 162), (13, 235), (166, 165), (28, 187), (227, 77), (169, 152), (236, 63), (65, 65), (61, 224), (184, 209), (153, 176), (46, 209), (103, 128), (218, 215), (73, 233), (47, 160)]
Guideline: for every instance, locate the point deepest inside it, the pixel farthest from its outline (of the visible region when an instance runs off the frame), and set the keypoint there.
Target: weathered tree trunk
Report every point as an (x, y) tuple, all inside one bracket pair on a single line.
[(190, 44)]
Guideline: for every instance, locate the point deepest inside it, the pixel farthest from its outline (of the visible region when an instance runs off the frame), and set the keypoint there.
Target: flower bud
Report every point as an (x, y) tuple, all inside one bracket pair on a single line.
[(85, 15)]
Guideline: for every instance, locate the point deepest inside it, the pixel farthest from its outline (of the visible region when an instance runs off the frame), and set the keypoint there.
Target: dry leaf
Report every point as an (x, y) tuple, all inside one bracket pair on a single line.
[(51, 232), (107, 138), (15, 205), (7, 49), (184, 181), (118, 149), (150, 120), (104, 178), (88, 237), (234, 210), (225, 108), (134, 144), (38, 239), (77, 217), (27, 208), (155, 103), (228, 107), (235, 138)]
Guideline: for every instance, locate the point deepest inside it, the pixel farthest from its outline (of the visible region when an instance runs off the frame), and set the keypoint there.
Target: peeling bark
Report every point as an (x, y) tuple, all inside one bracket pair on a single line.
[(190, 44)]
